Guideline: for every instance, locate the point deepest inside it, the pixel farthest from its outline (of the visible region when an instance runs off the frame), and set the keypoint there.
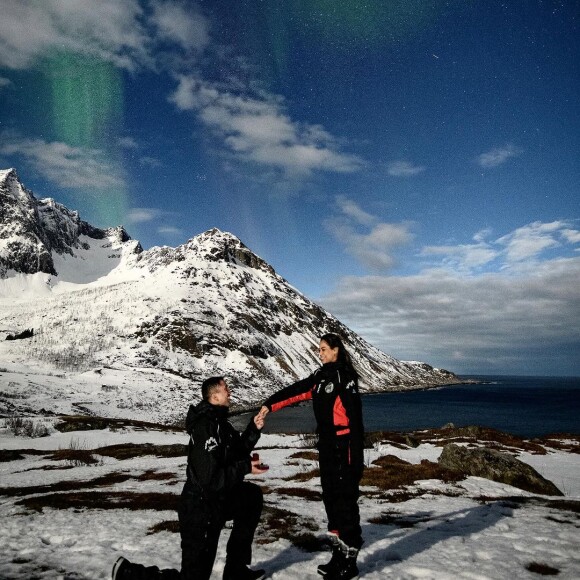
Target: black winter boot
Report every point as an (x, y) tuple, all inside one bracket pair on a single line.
[(121, 569), (346, 568), (335, 560), (241, 572), (125, 570)]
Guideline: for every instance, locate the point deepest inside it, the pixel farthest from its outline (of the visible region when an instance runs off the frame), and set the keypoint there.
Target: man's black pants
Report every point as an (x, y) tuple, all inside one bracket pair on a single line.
[(202, 520)]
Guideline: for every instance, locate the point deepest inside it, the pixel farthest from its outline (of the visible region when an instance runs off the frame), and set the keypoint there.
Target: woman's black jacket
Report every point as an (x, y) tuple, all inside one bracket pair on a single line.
[(333, 389)]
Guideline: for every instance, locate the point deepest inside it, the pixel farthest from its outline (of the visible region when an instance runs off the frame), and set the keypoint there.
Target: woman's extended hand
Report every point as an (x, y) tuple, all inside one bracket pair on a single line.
[(260, 417)]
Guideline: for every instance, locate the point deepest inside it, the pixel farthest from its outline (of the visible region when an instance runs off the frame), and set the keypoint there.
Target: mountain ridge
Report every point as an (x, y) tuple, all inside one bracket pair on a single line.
[(142, 328)]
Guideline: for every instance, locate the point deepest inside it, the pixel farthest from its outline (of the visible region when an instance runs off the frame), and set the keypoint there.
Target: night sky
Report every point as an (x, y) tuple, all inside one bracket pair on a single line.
[(412, 165)]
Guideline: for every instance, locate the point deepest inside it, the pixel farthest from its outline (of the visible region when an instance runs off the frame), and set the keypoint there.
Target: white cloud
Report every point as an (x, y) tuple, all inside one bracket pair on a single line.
[(520, 249), (531, 240), (572, 236), (128, 143), (490, 323), (255, 128), (170, 231), (463, 257), (498, 156), (352, 210), (373, 246), (71, 167), (482, 235), (108, 29), (118, 32), (150, 161), (139, 215), (456, 315), (131, 144), (176, 22), (404, 169)]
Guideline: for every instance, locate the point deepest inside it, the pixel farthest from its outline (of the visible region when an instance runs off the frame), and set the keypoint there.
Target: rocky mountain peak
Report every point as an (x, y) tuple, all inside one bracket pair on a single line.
[(8, 176), (33, 231), (224, 246)]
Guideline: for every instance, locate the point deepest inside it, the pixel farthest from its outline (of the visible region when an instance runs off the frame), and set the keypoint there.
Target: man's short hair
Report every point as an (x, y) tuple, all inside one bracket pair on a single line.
[(209, 385)]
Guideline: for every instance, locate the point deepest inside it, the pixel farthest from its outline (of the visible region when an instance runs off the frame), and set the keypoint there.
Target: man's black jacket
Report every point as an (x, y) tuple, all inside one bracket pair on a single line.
[(218, 455)]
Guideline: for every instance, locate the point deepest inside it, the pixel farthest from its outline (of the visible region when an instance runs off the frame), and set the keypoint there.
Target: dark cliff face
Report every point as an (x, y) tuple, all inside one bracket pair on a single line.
[(32, 230), (25, 249)]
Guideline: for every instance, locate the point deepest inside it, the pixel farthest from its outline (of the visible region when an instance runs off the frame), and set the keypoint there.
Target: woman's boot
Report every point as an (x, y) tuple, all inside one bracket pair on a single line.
[(346, 568), (334, 562)]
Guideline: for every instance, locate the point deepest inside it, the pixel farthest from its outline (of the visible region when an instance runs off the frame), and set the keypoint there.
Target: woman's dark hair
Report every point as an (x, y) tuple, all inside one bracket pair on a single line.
[(334, 341)]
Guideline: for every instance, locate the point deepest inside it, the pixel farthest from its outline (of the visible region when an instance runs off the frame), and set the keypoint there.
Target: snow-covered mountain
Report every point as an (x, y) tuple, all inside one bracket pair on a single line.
[(119, 331)]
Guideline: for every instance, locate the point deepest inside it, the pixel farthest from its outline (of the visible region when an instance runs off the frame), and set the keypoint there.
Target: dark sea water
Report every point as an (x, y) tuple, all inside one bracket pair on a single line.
[(524, 406)]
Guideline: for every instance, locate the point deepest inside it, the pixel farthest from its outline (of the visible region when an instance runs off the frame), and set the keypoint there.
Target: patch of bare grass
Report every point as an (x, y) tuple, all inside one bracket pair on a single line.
[(542, 569), (63, 486), (104, 500), (153, 475), (308, 455), (22, 427), (301, 492), (514, 502), (17, 454), (75, 457), (399, 520), (89, 423), (131, 450), (400, 496), (475, 434), (562, 442), (568, 505), (393, 473), (10, 455), (277, 523), (303, 475), (394, 438), (167, 526), (308, 542), (470, 435), (49, 468), (308, 440), (389, 461)]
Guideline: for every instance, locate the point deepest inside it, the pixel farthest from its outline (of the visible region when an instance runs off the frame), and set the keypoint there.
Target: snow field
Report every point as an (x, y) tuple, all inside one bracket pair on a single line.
[(442, 531)]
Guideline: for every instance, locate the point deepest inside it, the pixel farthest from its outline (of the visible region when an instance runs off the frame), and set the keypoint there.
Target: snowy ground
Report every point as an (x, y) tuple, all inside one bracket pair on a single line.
[(472, 528)]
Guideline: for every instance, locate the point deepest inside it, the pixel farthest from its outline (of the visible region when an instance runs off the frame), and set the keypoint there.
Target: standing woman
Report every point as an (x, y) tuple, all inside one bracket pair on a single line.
[(333, 389)]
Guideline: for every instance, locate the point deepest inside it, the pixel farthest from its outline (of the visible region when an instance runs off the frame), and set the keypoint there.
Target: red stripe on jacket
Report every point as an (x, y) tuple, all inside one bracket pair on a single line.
[(340, 418), (302, 397)]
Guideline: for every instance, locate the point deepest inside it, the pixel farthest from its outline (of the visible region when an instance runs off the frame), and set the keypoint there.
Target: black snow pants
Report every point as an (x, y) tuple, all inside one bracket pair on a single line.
[(201, 522), (340, 490)]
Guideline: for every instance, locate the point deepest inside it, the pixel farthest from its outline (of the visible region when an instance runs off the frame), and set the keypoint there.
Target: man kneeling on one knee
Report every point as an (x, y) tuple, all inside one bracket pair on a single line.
[(215, 491)]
